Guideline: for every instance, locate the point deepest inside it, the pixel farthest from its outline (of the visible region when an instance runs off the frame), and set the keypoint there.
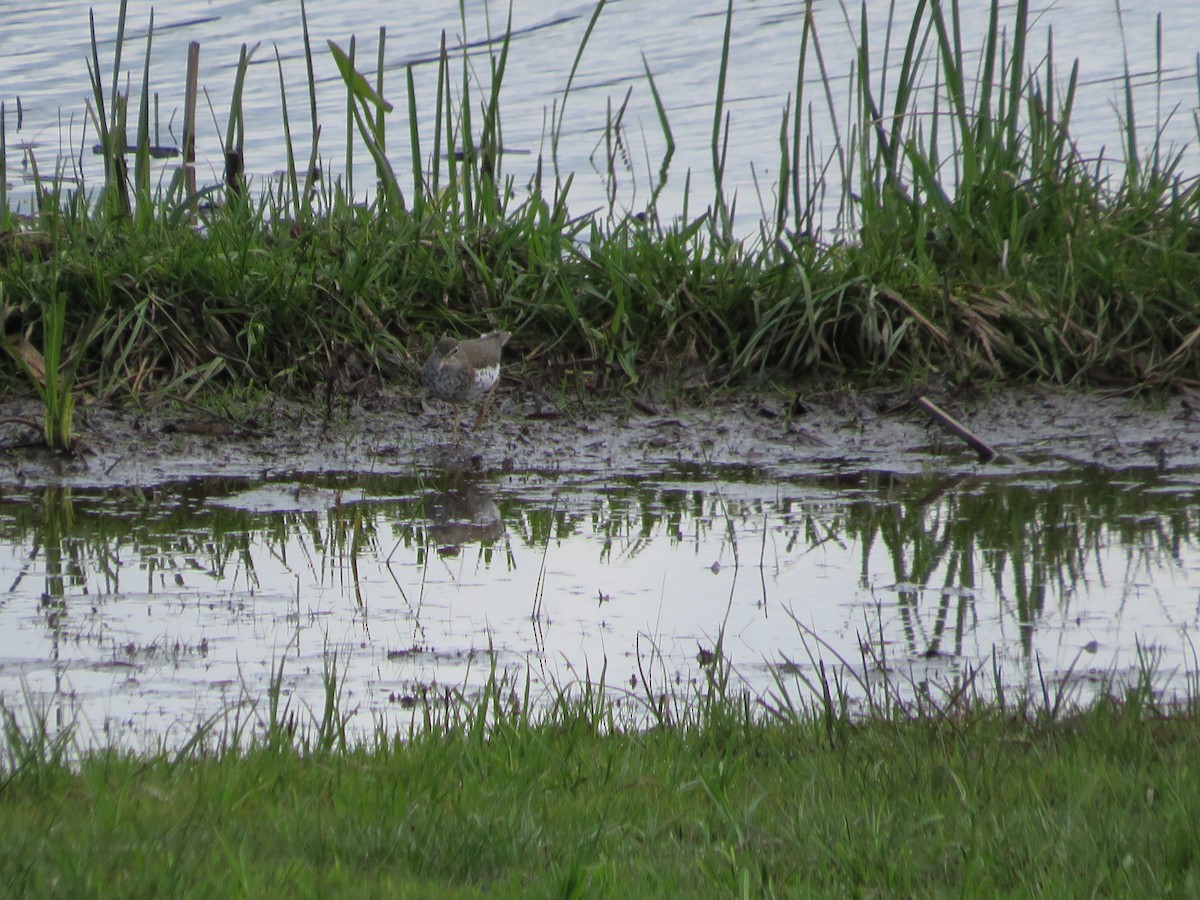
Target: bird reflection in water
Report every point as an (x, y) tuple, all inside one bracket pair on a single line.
[(462, 515)]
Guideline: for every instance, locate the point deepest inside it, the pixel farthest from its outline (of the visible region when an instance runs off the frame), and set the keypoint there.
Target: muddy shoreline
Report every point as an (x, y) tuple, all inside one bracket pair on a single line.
[(146, 611), (767, 437)]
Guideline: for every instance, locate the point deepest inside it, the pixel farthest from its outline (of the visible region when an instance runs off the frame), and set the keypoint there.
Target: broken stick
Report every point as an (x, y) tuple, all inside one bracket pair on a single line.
[(951, 424)]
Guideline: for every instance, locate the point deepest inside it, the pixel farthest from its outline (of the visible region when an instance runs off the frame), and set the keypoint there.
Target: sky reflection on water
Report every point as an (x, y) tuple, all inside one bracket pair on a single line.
[(146, 610)]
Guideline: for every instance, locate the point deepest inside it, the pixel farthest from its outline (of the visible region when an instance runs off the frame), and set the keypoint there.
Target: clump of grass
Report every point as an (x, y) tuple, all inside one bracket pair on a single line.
[(52, 376), (988, 221), (57, 392)]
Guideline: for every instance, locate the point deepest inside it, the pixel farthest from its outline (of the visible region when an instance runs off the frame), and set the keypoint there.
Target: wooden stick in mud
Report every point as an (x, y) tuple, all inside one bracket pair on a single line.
[(951, 424), (189, 119)]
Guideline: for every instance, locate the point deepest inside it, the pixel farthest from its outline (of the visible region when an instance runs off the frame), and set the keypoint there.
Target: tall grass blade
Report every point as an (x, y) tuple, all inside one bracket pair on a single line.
[(380, 133), (720, 132), (557, 122), (144, 207), (235, 131), (421, 187), (665, 124), (109, 120), (362, 98), (293, 184), (310, 173)]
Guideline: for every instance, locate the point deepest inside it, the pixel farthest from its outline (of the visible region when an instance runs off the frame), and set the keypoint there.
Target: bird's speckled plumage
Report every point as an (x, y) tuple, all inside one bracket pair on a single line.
[(458, 371)]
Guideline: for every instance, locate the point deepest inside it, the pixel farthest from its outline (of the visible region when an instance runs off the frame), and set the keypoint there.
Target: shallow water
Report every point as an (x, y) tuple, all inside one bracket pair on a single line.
[(139, 612), (44, 49)]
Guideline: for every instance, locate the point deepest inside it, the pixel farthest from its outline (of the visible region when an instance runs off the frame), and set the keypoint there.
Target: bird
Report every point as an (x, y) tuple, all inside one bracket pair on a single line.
[(458, 371)]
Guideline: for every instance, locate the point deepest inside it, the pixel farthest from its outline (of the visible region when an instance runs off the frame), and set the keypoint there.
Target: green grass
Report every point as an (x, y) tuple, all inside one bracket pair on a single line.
[(973, 241), (723, 796)]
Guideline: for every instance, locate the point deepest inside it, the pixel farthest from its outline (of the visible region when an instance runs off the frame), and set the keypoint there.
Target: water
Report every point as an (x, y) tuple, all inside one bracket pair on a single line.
[(141, 612), (43, 49)]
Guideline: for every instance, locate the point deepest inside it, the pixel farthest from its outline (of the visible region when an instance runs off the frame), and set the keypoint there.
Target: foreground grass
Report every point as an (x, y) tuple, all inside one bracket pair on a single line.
[(984, 802)]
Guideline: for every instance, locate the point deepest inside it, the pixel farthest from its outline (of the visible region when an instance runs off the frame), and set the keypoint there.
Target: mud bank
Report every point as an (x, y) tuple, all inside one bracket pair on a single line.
[(764, 436)]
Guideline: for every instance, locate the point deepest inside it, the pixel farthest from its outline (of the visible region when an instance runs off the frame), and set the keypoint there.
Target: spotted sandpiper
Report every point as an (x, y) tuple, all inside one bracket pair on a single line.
[(458, 371)]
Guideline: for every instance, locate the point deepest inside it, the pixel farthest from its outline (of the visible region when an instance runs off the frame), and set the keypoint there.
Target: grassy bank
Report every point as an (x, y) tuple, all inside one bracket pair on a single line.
[(728, 798), (972, 241)]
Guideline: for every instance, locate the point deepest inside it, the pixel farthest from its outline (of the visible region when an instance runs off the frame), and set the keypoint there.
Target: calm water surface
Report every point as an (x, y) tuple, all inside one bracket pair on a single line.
[(144, 611), (140, 612), (43, 48)]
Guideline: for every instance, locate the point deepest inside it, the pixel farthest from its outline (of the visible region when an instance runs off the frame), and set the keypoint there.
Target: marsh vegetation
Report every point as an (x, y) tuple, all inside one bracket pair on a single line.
[(971, 239), (971, 243)]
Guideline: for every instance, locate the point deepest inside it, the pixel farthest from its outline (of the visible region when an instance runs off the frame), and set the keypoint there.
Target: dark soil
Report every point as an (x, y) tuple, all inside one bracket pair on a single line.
[(761, 436)]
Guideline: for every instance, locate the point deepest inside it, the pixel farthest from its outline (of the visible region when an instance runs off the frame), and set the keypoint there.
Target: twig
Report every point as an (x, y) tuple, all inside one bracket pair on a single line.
[(931, 409), (189, 120), (911, 310)]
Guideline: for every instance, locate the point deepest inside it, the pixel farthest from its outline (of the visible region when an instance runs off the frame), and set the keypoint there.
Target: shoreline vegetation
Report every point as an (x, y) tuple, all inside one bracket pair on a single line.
[(973, 242)]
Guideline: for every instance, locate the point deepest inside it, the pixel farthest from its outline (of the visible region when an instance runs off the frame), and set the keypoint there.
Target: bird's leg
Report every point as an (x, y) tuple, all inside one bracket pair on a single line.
[(483, 406), (457, 423)]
